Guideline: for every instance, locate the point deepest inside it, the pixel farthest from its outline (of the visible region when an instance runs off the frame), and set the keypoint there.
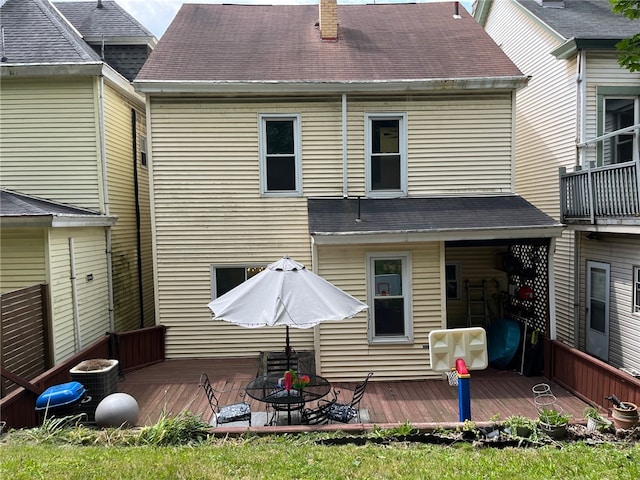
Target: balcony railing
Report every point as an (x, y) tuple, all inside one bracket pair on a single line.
[(601, 195)]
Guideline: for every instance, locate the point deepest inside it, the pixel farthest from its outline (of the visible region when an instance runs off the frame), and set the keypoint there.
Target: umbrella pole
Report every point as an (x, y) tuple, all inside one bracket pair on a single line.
[(287, 350)]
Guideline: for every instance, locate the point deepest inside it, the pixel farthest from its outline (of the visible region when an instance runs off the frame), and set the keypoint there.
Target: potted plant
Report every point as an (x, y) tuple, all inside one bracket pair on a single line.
[(520, 425), (595, 421), (553, 422)]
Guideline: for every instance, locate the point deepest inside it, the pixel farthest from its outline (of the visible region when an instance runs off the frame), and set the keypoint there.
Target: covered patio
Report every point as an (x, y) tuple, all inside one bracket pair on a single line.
[(171, 386)]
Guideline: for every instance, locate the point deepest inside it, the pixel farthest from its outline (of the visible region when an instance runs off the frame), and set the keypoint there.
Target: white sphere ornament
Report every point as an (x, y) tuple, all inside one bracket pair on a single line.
[(117, 410)]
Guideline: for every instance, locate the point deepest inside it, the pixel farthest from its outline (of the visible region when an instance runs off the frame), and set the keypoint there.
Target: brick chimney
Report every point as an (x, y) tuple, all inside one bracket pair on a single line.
[(329, 19)]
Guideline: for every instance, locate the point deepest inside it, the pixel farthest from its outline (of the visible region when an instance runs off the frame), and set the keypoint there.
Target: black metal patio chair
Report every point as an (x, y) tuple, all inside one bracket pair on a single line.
[(236, 412), (318, 415), (345, 412)]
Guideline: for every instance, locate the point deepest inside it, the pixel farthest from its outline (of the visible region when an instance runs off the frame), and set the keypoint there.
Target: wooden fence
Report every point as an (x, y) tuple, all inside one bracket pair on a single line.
[(23, 332), (588, 378), (133, 349)]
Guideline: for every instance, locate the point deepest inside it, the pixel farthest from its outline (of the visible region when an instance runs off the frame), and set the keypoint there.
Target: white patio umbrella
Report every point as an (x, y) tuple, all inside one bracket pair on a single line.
[(285, 293)]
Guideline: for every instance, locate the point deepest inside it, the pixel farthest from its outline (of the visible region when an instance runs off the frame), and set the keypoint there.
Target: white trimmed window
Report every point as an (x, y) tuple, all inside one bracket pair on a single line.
[(386, 155), (280, 159), (143, 151), (224, 279), (389, 298), (636, 289)]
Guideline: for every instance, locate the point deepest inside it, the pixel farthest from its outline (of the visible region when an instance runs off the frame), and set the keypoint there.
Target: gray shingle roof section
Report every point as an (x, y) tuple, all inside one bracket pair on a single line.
[(584, 19), (437, 214), (281, 43), (13, 204), (111, 20), (36, 33)]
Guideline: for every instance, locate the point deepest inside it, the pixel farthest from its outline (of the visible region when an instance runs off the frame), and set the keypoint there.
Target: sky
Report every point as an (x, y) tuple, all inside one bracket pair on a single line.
[(156, 15)]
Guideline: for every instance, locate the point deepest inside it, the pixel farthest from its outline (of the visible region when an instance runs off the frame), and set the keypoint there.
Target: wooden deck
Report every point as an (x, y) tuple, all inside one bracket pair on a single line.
[(172, 387)]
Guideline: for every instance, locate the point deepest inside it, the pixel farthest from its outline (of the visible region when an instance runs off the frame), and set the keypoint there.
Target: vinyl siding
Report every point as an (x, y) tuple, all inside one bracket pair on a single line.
[(208, 209), (545, 130), (603, 70), (345, 353), (119, 145), (49, 139), (93, 305), (622, 253), (476, 264), (458, 144), (22, 258)]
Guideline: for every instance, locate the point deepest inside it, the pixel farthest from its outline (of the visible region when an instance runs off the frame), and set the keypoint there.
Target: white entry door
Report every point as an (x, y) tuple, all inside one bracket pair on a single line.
[(597, 314)]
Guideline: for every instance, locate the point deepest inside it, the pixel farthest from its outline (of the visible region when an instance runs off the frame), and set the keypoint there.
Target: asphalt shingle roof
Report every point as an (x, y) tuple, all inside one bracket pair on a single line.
[(36, 33), (399, 215), (584, 19), (282, 43), (111, 20), (13, 204)]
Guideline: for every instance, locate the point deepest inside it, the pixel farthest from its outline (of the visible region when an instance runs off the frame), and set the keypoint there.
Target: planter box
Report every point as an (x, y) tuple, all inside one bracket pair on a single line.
[(99, 378)]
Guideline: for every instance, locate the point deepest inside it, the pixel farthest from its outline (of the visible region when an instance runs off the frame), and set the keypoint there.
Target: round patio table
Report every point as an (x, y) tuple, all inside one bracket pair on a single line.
[(267, 389)]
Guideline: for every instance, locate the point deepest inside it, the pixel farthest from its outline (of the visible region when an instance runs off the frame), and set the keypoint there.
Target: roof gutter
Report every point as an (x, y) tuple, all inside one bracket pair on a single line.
[(56, 221), (21, 70), (373, 237), (173, 87), (571, 47)]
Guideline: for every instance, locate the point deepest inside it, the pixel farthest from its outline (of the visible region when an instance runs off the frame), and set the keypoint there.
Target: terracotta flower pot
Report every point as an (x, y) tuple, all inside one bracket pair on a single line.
[(625, 418)]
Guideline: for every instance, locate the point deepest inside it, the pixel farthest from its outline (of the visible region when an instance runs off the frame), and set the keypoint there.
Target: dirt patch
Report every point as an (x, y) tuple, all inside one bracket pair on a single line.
[(495, 438)]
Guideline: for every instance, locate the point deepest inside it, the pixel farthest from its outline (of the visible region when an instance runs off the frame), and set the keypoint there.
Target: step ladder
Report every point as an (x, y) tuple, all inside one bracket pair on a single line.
[(477, 308)]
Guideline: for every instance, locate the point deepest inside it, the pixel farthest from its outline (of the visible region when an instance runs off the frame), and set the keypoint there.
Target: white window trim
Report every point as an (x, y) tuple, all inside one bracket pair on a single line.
[(635, 284), (407, 291), (144, 157), (403, 154), (297, 132)]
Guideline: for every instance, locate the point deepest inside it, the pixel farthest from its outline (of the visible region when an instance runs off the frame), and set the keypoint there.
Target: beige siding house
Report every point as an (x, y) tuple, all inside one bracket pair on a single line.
[(578, 116), (388, 173), (74, 181)]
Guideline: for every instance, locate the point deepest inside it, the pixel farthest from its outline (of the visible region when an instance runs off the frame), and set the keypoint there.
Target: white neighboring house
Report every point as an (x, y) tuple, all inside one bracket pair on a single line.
[(580, 116)]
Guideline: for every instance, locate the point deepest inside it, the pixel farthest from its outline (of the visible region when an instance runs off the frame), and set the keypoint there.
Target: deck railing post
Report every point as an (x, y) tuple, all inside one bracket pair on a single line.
[(590, 188), (563, 193)]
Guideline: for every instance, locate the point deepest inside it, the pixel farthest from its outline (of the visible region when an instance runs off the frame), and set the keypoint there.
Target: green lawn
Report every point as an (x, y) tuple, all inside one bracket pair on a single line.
[(180, 448), (301, 457)]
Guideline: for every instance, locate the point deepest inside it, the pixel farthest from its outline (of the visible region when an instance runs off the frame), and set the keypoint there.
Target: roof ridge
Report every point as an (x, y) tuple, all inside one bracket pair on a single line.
[(67, 30)]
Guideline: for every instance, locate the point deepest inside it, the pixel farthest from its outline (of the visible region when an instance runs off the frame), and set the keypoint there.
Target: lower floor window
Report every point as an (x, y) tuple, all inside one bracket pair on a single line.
[(389, 286), (226, 278)]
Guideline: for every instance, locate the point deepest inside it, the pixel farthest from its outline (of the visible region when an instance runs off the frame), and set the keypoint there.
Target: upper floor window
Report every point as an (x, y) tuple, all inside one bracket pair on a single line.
[(389, 292), (618, 108), (636, 289), (224, 279), (386, 164), (280, 163)]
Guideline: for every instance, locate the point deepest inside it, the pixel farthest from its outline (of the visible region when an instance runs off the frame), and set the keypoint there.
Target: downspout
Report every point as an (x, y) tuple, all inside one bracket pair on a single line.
[(316, 329), (74, 293), (581, 92), (581, 133), (345, 172), (105, 183), (136, 194)]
